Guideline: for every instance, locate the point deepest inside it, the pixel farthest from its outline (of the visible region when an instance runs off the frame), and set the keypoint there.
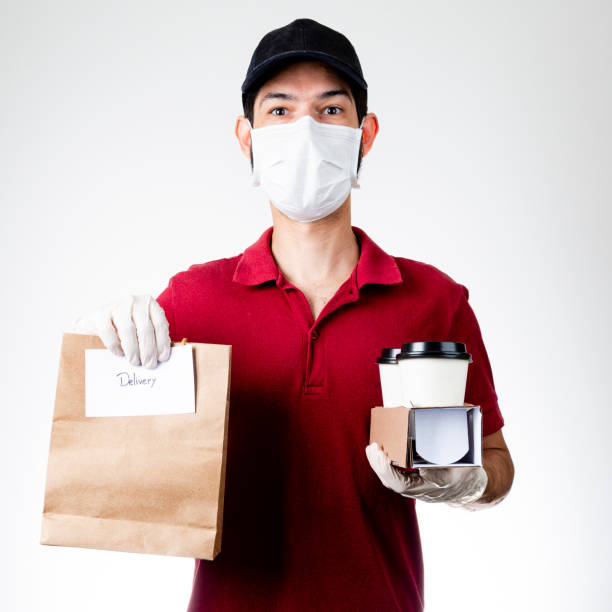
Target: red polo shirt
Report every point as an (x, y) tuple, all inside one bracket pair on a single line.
[(307, 523)]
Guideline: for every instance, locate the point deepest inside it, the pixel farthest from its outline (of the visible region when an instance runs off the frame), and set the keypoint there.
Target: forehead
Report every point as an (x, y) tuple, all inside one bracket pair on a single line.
[(303, 76)]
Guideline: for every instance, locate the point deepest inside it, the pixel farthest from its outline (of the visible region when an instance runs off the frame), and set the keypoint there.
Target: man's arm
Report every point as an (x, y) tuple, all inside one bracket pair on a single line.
[(499, 467)]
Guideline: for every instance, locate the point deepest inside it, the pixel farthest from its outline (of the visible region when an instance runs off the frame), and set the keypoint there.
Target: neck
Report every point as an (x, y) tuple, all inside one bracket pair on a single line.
[(315, 256)]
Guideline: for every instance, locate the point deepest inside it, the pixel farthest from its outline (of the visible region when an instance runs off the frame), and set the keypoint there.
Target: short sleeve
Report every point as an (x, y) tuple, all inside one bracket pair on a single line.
[(166, 301), (480, 388)]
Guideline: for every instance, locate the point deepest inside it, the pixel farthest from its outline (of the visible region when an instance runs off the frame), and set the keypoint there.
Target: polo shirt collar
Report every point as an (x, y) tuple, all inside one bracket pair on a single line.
[(257, 264)]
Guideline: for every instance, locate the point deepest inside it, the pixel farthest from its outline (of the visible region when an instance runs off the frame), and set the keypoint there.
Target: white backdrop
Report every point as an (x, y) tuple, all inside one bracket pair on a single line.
[(119, 167)]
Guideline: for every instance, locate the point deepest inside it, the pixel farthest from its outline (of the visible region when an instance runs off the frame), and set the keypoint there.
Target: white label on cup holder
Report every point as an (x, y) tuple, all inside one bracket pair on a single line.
[(441, 434)]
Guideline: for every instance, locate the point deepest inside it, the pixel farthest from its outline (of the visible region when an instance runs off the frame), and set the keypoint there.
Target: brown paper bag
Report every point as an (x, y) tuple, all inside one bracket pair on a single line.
[(145, 484)]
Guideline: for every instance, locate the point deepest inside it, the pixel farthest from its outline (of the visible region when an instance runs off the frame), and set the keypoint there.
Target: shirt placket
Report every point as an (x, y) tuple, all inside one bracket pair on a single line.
[(314, 380)]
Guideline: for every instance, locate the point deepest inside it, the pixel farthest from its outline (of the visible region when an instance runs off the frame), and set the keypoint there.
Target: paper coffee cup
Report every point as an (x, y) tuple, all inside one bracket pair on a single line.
[(433, 373), (390, 378)]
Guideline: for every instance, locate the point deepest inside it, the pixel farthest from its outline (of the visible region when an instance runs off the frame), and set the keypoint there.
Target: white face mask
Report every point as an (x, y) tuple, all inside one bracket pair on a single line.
[(306, 168)]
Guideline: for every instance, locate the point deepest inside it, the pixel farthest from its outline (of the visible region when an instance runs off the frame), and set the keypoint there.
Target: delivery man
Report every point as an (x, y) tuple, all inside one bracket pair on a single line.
[(311, 521)]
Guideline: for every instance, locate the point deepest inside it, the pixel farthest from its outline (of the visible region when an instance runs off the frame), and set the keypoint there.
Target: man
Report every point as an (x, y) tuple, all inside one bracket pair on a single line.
[(307, 308)]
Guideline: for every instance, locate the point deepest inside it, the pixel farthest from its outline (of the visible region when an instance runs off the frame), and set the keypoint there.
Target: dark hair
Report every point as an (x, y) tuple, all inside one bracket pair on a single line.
[(360, 95)]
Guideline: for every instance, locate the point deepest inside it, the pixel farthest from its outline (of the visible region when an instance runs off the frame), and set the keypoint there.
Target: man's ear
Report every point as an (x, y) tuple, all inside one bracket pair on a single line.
[(369, 129), (243, 133)]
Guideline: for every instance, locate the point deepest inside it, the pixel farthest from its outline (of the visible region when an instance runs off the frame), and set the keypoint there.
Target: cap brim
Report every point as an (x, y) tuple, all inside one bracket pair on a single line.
[(269, 64)]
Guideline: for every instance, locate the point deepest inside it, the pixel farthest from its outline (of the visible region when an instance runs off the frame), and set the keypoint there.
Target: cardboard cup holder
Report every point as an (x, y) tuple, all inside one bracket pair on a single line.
[(432, 436)]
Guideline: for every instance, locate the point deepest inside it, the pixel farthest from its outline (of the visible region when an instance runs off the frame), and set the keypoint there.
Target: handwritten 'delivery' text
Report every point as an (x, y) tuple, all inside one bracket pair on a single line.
[(125, 380)]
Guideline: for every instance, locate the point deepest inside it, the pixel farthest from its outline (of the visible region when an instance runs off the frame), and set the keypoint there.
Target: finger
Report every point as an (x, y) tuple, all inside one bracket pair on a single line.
[(107, 332), (126, 329), (161, 327), (444, 476), (380, 462), (373, 452), (144, 331), (378, 454)]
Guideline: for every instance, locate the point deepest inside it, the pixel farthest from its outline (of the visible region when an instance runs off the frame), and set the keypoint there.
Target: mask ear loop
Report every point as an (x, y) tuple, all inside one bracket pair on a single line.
[(255, 182), (357, 175)]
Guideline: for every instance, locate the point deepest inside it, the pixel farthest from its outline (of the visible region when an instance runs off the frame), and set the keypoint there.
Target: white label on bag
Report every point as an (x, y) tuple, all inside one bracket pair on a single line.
[(114, 387)]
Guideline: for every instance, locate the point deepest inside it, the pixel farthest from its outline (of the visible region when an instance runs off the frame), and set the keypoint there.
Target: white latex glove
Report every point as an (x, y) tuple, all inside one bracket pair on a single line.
[(135, 326), (455, 486)]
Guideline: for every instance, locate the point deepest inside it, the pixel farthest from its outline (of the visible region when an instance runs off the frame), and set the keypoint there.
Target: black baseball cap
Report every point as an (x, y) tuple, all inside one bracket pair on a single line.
[(303, 38)]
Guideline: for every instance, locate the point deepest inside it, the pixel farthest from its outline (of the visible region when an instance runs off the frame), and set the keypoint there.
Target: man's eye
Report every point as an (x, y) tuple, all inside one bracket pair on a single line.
[(279, 108), (334, 107)]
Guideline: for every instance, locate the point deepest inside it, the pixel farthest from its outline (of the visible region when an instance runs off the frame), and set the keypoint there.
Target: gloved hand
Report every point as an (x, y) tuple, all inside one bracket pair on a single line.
[(455, 486), (135, 326)]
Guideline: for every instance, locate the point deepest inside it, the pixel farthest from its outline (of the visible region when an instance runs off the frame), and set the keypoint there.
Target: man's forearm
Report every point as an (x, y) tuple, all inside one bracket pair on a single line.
[(499, 467)]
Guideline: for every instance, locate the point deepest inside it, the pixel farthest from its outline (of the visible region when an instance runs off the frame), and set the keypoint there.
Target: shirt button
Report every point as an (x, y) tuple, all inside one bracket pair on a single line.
[(314, 335)]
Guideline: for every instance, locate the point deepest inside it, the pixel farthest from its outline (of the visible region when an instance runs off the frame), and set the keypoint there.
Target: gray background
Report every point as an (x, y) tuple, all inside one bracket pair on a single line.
[(119, 167)]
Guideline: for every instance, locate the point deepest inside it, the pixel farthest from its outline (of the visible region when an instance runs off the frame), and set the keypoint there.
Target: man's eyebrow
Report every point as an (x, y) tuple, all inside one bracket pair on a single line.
[(271, 95), (276, 95)]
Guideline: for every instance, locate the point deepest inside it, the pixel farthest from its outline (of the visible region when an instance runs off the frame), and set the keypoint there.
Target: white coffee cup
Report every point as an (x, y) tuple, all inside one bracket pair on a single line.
[(390, 378), (433, 373)]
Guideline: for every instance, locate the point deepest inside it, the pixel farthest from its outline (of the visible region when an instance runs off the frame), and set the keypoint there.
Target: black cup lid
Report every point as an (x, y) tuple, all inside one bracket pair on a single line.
[(443, 350), (389, 355)]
